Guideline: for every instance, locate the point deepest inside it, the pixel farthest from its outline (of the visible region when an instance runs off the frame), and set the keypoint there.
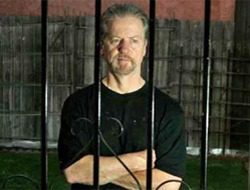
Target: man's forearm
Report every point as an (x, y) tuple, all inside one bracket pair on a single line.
[(158, 178), (110, 168)]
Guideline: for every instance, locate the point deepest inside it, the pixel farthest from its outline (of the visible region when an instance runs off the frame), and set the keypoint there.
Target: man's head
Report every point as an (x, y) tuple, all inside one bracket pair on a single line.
[(121, 10), (124, 32)]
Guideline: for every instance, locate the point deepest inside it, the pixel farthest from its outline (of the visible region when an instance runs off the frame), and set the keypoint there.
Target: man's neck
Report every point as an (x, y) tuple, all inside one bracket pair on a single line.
[(124, 84)]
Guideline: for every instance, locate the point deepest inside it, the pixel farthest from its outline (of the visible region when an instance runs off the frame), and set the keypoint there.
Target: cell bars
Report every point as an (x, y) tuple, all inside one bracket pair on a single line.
[(97, 77), (205, 95), (44, 96), (151, 105)]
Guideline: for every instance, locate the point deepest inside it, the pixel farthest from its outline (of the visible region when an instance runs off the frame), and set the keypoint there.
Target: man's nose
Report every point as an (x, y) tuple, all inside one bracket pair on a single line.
[(124, 46)]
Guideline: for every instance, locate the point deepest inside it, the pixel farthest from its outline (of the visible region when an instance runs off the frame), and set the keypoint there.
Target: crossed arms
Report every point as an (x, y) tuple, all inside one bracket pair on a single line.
[(111, 171)]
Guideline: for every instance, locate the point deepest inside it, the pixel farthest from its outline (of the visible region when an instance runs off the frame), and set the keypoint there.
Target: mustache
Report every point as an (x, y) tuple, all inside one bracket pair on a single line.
[(123, 56)]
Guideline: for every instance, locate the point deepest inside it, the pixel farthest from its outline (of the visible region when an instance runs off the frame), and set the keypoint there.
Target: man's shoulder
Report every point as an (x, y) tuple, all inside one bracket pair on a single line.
[(83, 94), (164, 100), (84, 90), (162, 96)]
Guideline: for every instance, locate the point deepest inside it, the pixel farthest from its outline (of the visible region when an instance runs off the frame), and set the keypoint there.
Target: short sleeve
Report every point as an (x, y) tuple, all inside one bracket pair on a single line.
[(170, 144)]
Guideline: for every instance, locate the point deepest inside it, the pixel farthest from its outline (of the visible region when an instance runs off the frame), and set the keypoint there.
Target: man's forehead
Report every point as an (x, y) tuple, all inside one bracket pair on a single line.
[(126, 24), (110, 35), (118, 19)]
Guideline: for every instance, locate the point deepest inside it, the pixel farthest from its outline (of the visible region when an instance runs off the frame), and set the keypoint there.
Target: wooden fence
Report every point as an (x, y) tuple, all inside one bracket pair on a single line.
[(178, 72)]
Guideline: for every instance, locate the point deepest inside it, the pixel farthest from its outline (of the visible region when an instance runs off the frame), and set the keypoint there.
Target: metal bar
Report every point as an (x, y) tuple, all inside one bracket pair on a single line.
[(44, 96), (249, 161), (97, 75), (151, 111), (206, 96)]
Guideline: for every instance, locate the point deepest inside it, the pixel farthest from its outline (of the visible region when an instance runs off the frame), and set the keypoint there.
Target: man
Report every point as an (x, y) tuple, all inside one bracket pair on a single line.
[(124, 116)]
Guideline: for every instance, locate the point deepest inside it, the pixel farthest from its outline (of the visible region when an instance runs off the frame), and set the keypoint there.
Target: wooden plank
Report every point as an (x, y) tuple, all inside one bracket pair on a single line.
[(72, 66)]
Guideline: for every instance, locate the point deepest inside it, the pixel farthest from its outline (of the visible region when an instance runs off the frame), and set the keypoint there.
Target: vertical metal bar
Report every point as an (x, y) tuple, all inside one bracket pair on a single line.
[(249, 160), (151, 111), (44, 96), (206, 95), (2, 74), (97, 77)]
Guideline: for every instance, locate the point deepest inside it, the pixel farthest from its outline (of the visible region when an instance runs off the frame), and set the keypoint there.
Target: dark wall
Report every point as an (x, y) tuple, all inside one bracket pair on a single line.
[(240, 81)]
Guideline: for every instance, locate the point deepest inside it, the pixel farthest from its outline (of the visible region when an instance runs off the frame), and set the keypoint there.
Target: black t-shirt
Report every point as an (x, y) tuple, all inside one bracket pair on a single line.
[(124, 119)]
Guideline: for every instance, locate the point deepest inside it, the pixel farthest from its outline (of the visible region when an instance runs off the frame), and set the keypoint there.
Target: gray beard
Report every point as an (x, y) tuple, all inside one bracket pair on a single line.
[(122, 72)]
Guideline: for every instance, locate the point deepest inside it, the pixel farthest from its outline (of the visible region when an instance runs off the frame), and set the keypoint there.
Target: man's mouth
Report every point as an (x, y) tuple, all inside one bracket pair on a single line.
[(123, 58)]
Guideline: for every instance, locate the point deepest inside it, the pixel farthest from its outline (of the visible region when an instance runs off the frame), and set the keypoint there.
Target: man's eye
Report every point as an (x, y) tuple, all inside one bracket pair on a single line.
[(135, 40), (114, 41)]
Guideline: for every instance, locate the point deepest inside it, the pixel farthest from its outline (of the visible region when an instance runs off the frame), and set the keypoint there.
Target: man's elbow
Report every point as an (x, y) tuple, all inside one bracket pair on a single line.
[(75, 177), (163, 180), (69, 178)]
